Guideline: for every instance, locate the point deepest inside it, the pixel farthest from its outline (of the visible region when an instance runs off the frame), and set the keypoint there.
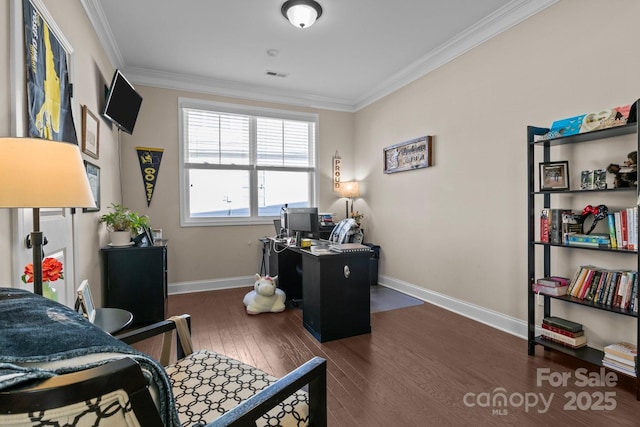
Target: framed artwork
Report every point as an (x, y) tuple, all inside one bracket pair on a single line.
[(90, 133), (49, 111), (414, 154), (93, 174), (86, 301), (554, 176)]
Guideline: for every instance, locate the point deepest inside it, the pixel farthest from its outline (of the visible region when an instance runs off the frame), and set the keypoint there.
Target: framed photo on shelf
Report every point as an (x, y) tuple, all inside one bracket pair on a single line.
[(93, 174), (554, 176), (86, 301), (90, 133)]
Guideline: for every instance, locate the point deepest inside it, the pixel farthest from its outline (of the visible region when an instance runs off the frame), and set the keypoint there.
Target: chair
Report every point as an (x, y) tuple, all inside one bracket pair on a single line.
[(120, 390), (347, 231)]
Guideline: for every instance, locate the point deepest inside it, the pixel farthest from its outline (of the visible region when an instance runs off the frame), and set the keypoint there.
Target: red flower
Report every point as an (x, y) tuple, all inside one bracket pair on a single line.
[(51, 271)]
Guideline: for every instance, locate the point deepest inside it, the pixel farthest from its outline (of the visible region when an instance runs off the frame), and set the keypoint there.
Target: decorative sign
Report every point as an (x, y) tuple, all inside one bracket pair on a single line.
[(414, 154), (150, 159), (337, 172)]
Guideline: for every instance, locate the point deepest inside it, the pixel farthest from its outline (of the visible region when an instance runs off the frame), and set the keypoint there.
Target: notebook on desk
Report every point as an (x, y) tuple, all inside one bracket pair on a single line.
[(349, 248)]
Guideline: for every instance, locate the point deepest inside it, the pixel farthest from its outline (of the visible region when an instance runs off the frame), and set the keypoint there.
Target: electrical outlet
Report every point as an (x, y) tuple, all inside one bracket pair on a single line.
[(540, 300)]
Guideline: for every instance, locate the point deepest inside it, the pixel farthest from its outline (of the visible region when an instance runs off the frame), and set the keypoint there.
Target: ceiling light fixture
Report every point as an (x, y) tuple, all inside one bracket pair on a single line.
[(301, 13)]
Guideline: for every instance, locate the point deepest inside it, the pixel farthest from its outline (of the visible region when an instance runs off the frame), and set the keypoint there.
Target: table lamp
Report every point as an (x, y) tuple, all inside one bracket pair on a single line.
[(350, 190), (38, 173)]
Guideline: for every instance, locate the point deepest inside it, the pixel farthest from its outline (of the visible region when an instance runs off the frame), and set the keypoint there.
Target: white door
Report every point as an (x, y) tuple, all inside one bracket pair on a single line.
[(57, 227)]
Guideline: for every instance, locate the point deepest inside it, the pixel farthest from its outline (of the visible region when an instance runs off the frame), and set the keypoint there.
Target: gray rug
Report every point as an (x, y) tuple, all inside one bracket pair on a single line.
[(385, 299)]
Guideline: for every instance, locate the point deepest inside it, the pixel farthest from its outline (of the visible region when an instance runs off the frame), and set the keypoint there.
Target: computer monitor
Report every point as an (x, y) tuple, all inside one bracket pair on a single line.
[(303, 223)]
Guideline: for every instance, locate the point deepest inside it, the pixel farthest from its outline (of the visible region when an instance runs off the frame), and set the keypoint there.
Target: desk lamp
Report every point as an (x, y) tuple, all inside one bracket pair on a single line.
[(38, 173), (350, 190)]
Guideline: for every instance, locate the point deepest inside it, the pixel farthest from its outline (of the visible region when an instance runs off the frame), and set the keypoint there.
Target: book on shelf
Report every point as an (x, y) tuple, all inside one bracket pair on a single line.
[(555, 226), (631, 364), (562, 331), (556, 291), (627, 370), (553, 281), (561, 323), (572, 342), (611, 224), (592, 240), (544, 225), (623, 349)]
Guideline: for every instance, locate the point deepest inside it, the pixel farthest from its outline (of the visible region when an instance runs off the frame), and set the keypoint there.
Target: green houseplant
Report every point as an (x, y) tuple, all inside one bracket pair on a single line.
[(123, 223)]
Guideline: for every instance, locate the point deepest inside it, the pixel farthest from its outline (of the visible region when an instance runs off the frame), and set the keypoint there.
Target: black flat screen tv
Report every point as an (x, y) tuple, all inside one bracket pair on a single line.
[(122, 103)]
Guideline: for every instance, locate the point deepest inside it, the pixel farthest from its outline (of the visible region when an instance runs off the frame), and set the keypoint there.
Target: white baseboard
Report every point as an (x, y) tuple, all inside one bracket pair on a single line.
[(491, 318), (210, 285)]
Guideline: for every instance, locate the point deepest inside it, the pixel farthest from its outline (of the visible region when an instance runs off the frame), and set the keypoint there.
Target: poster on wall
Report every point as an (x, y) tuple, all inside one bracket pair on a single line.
[(48, 89), (149, 159)]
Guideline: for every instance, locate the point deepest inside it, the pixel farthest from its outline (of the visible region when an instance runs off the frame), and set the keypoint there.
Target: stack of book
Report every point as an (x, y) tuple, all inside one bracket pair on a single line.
[(613, 288), (623, 226), (621, 357), (563, 331), (589, 240), (555, 286)]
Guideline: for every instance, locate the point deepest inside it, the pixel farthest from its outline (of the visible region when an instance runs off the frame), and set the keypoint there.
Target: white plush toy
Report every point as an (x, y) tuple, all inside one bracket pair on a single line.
[(265, 297)]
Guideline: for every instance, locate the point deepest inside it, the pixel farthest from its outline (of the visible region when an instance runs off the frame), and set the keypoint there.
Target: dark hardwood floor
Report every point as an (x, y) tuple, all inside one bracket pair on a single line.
[(420, 366)]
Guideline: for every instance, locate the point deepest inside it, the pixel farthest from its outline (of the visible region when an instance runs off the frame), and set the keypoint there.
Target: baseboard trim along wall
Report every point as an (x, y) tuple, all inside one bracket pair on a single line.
[(491, 318)]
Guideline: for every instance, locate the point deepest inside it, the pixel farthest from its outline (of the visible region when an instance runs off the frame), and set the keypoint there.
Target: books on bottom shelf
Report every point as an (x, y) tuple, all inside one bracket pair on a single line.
[(563, 331), (621, 357)]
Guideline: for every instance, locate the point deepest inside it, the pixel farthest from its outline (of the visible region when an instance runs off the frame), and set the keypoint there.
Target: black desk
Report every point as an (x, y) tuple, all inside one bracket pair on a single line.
[(334, 289)]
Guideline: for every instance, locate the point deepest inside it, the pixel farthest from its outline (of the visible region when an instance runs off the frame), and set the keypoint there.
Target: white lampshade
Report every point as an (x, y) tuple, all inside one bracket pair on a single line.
[(38, 173), (301, 13), (349, 189)]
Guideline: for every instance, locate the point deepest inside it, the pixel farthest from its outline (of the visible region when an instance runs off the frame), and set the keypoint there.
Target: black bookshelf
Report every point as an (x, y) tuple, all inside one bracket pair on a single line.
[(544, 268)]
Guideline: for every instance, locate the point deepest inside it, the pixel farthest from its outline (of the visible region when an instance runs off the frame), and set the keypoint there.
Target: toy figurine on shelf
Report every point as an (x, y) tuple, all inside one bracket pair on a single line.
[(627, 175)]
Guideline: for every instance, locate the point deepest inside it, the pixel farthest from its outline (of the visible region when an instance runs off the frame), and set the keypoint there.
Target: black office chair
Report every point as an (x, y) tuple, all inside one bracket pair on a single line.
[(347, 231)]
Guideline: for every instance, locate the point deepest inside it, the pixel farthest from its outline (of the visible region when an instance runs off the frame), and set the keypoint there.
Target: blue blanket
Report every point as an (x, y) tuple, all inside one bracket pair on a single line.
[(36, 329)]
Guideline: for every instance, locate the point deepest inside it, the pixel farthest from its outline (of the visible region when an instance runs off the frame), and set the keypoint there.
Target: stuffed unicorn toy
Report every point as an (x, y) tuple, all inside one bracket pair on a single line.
[(265, 297)]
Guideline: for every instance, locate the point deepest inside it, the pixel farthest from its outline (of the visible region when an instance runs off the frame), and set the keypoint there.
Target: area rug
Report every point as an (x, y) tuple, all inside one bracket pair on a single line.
[(385, 299)]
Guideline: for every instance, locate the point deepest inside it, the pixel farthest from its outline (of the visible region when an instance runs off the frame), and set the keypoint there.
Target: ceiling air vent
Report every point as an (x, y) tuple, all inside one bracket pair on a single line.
[(276, 74)]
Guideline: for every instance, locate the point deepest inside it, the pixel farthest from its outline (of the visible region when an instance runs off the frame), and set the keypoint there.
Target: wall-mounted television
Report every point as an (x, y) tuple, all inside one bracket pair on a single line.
[(122, 103)]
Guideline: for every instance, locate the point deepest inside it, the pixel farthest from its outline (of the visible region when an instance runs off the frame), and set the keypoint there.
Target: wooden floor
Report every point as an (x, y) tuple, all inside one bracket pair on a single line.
[(420, 366)]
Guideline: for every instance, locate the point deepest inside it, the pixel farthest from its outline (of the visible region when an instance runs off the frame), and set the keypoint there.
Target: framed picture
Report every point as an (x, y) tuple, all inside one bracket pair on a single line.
[(90, 133), (554, 176), (93, 174), (86, 301), (414, 154), (149, 234)]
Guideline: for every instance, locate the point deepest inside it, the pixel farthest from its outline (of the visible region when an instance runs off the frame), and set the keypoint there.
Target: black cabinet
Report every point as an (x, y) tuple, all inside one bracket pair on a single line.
[(135, 279), (336, 295)]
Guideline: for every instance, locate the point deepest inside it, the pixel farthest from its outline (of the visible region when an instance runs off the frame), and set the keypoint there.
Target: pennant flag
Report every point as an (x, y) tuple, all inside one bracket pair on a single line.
[(150, 159)]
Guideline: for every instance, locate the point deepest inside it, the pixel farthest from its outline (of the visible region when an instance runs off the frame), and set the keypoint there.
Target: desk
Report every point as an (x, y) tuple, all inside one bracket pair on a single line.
[(334, 289)]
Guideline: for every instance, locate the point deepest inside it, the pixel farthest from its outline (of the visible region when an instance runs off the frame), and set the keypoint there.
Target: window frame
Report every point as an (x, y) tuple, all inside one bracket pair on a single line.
[(253, 219)]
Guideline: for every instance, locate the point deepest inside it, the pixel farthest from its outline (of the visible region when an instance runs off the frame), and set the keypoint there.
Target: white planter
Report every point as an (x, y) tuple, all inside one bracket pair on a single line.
[(120, 238)]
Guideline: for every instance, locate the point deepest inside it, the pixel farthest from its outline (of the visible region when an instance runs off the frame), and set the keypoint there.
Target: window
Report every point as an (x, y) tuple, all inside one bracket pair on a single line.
[(240, 165)]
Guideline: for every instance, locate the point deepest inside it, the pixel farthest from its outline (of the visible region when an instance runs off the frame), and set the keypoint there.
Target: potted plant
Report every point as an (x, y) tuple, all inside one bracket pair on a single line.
[(123, 223)]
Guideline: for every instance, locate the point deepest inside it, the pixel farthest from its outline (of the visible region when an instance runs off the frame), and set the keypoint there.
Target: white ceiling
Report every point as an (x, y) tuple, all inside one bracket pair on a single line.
[(357, 52)]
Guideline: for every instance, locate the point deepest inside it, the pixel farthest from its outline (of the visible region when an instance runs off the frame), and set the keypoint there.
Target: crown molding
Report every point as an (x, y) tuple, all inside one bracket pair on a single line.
[(501, 20)]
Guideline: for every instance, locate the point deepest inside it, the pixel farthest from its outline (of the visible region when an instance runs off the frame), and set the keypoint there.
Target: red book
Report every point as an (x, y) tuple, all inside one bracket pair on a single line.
[(587, 284), (544, 226), (562, 331), (624, 231)]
